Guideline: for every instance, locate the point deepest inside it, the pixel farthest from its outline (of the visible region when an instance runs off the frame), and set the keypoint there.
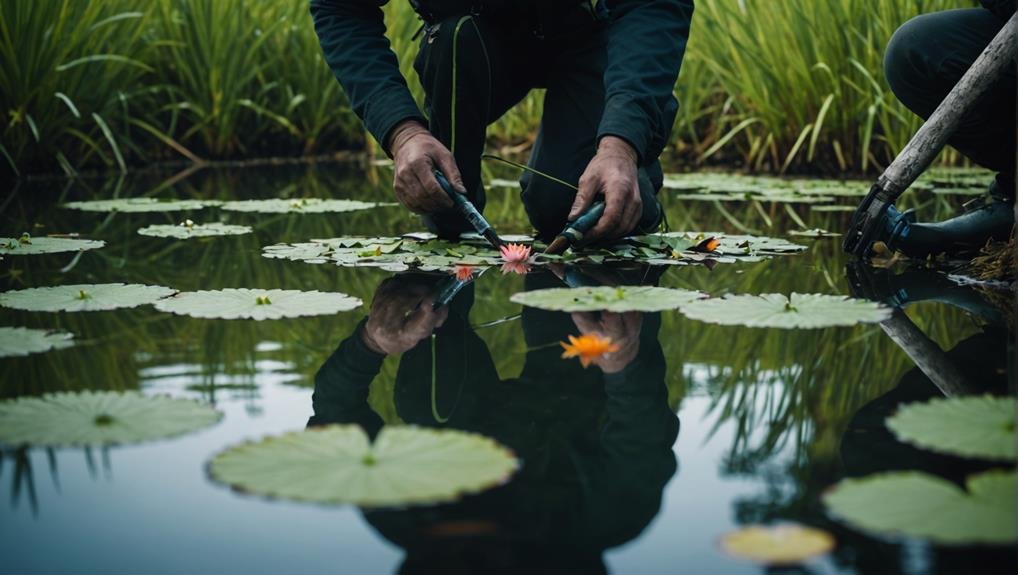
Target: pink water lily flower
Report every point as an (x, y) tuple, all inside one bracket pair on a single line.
[(464, 272), (515, 253)]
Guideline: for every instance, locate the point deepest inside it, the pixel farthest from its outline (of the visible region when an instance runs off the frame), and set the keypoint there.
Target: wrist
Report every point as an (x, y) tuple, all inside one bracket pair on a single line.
[(614, 145), (369, 342), (403, 133)]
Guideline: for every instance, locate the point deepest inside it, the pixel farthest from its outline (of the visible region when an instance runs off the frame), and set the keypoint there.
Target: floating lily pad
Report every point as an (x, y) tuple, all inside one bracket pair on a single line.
[(795, 312), (915, 504), (243, 303), (23, 341), (786, 544), (787, 198), (191, 230), (83, 297), (339, 464), (26, 245), (299, 206), (134, 205), (99, 418), (978, 426), (814, 233), (615, 299)]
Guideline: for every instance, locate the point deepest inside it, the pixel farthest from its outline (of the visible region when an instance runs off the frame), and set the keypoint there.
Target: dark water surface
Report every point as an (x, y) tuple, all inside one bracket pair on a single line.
[(711, 427)]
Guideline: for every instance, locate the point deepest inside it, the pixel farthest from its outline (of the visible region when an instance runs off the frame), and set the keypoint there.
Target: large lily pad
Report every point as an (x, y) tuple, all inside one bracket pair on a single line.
[(99, 418), (23, 341), (133, 205), (785, 544), (190, 229), (615, 299), (299, 206), (27, 245), (915, 504), (980, 426), (777, 310), (243, 303), (338, 464), (83, 297)]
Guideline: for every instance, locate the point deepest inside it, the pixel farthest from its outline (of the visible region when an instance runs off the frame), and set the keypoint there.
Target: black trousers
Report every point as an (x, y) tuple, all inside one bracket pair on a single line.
[(474, 68), (925, 59)]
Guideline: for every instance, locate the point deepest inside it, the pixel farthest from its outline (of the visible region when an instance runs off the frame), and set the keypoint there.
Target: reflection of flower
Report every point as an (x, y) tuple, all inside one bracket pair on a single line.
[(463, 272), (587, 347), (516, 267), (514, 253)]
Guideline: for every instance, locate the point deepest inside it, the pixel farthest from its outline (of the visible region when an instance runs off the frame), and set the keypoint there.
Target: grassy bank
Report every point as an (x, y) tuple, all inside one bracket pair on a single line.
[(770, 86)]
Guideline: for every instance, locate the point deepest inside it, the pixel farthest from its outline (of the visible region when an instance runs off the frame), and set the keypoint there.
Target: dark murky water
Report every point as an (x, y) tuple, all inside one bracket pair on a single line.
[(711, 427)]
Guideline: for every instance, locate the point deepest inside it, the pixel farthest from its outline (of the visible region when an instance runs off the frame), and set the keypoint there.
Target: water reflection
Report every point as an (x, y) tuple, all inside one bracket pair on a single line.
[(595, 443)]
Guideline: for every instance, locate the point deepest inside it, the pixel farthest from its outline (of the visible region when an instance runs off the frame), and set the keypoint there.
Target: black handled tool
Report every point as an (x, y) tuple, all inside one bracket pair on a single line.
[(576, 229), (467, 209)]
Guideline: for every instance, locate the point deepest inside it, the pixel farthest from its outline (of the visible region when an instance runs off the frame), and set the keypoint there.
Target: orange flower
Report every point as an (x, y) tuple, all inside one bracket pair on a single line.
[(464, 273), (707, 245), (513, 253), (587, 347)]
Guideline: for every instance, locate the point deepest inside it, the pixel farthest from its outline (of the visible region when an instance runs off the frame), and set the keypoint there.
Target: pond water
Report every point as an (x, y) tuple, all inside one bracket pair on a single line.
[(706, 428)]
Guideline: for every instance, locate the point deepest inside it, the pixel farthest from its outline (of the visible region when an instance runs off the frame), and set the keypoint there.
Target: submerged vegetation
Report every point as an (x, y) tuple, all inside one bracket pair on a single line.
[(770, 86)]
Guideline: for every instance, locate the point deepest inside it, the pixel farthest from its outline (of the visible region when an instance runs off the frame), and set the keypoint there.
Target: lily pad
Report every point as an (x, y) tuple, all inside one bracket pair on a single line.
[(191, 230), (99, 418), (299, 206), (26, 245), (799, 311), (23, 341), (339, 464), (915, 504), (615, 299), (833, 208), (243, 303), (814, 233), (134, 205), (978, 426), (785, 544), (84, 297)]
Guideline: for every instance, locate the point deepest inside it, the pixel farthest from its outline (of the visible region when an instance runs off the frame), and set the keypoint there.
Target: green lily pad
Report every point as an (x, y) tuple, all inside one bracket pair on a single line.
[(23, 341), (978, 426), (800, 311), (135, 205), (300, 206), (243, 303), (99, 418), (833, 208), (615, 299), (191, 230), (83, 297), (814, 233), (741, 245), (915, 504), (339, 464), (26, 245), (751, 197), (784, 544)]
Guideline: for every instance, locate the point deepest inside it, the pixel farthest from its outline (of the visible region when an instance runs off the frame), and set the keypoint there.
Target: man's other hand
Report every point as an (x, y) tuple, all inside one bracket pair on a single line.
[(415, 152), (612, 173)]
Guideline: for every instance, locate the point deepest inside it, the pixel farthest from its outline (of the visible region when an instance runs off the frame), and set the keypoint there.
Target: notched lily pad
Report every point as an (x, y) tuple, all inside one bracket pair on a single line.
[(339, 464), (23, 341), (785, 544), (136, 205), (84, 297), (978, 426), (99, 418), (614, 299), (799, 311), (300, 206), (28, 245), (914, 504), (814, 233), (189, 229), (243, 303)]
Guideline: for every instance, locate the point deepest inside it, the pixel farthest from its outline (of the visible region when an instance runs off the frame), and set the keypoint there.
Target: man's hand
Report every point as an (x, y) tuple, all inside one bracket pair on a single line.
[(612, 173), (622, 328), (401, 316), (415, 152)]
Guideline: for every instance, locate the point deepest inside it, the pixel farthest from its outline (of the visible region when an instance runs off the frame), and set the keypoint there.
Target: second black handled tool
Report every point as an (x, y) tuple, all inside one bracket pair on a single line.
[(576, 229), (467, 209)]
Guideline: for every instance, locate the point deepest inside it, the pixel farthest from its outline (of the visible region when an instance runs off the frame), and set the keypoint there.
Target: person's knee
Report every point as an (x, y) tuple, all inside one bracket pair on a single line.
[(547, 204), (905, 59)]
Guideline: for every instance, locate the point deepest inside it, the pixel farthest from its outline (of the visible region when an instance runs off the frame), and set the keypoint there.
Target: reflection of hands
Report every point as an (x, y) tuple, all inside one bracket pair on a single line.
[(622, 328), (401, 316)]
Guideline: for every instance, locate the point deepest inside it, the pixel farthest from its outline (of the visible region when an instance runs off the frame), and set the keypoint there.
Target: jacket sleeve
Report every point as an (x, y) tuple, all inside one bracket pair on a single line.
[(342, 385), (352, 35), (1002, 8), (646, 42)]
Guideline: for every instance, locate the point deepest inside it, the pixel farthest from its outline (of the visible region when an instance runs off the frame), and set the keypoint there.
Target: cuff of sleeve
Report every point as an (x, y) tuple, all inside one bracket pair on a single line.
[(385, 112), (367, 358), (623, 119)]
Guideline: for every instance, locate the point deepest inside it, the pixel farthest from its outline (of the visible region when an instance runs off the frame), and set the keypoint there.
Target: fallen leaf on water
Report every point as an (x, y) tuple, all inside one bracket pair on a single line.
[(707, 245), (786, 544)]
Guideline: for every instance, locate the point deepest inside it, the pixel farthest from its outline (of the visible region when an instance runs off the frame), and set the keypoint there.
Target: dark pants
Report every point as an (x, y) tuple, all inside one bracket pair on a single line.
[(925, 59), (495, 60)]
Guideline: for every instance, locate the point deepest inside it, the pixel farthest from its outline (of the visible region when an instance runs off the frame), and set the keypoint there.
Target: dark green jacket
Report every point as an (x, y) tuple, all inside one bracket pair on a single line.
[(1002, 8), (646, 42)]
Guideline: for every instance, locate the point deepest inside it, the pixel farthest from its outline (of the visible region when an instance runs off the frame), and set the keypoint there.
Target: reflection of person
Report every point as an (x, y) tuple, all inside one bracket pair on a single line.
[(924, 60), (595, 443), (608, 109)]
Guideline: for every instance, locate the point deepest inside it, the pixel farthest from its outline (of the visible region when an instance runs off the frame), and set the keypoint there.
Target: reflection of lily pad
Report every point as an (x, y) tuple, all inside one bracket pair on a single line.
[(615, 299), (133, 205), (83, 297), (299, 206), (338, 464), (243, 303), (776, 310), (786, 544), (23, 341), (968, 426), (915, 504), (186, 231), (99, 418), (26, 245)]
